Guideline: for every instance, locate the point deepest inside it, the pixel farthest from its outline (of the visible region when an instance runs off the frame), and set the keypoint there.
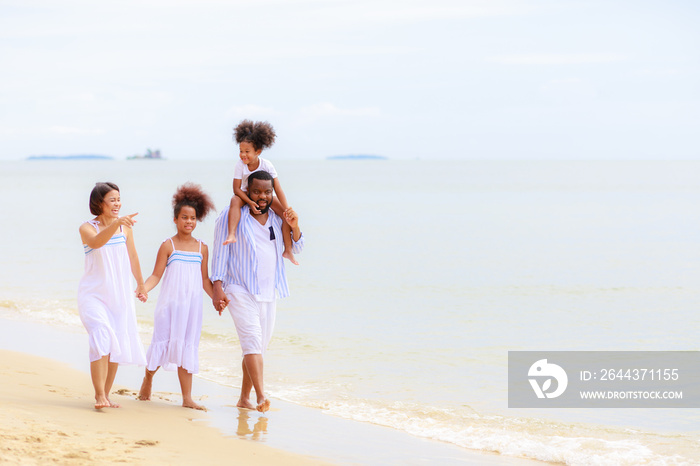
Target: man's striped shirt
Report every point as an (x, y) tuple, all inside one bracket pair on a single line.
[(237, 263)]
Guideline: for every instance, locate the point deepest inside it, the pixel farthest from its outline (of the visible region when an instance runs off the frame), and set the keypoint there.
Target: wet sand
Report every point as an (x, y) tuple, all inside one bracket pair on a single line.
[(47, 415)]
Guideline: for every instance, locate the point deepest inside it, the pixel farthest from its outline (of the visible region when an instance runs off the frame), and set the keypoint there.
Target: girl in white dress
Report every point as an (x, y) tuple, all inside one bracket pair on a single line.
[(105, 302), (177, 322)]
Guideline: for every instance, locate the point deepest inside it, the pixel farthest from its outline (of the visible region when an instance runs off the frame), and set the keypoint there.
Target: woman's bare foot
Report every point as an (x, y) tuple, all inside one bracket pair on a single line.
[(102, 402), (290, 256), (113, 405), (245, 404), (263, 406)]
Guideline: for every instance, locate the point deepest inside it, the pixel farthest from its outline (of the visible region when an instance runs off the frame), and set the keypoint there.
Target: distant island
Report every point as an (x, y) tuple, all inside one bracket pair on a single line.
[(69, 157), (356, 157), (150, 154)]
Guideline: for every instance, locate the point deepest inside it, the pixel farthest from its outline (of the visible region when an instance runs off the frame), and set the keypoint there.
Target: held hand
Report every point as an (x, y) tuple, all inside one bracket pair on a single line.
[(219, 299), (223, 304), (291, 217), (254, 208), (141, 293), (127, 220)]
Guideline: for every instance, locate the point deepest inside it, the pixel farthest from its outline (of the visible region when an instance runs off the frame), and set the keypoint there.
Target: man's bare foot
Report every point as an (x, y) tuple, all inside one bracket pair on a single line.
[(263, 406), (146, 386), (245, 404), (290, 256), (191, 404), (230, 239)]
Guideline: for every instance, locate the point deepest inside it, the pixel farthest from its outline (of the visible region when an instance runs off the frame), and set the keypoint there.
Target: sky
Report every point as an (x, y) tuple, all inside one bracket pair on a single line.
[(405, 79)]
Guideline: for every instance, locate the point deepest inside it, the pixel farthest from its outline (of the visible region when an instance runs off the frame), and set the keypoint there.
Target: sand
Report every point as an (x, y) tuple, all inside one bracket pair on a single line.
[(46, 417)]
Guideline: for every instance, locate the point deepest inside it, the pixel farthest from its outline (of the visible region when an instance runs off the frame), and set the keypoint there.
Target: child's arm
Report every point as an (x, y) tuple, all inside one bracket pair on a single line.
[(280, 194), (141, 292), (238, 191), (161, 261), (206, 282), (96, 240), (242, 194), (292, 220)]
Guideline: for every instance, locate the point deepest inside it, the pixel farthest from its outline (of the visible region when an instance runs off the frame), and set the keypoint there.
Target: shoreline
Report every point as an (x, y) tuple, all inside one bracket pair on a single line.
[(60, 400), (45, 418)]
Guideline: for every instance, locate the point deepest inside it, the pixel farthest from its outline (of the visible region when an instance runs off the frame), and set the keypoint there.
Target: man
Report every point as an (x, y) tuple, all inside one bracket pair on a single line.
[(246, 275)]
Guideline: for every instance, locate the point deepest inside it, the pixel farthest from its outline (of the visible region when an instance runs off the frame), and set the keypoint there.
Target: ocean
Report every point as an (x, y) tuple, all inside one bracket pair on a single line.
[(415, 284)]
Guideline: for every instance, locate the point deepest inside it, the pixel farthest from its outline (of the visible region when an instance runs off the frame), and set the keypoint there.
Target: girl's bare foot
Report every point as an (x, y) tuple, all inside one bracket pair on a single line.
[(113, 405), (263, 406), (191, 404), (230, 239), (290, 256), (146, 386)]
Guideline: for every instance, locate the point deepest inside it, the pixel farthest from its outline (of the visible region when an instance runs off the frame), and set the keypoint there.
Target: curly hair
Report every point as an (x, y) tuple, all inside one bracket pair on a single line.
[(190, 194), (97, 196), (259, 133)]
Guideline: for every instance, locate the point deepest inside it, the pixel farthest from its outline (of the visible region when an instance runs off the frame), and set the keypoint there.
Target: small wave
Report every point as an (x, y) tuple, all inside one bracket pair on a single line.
[(544, 440), (49, 311)]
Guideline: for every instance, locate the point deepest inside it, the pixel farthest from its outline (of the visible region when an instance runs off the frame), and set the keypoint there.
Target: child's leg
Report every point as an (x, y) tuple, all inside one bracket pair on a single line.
[(286, 231), (147, 385), (234, 216), (111, 374), (186, 387)]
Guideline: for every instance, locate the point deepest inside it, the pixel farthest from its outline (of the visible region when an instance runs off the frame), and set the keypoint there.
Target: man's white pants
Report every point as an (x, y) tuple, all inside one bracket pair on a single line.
[(254, 321)]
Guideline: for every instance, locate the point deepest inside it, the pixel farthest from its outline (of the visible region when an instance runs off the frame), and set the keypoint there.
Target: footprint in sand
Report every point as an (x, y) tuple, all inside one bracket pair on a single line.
[(147, 443), (78, 455), (124, 391)]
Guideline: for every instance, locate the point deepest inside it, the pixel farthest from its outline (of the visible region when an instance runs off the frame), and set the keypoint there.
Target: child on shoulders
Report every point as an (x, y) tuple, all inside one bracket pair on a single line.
[(252, 138)]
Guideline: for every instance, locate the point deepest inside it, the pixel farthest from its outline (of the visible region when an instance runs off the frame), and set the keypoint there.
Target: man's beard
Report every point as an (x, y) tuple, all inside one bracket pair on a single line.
[(264, 211)]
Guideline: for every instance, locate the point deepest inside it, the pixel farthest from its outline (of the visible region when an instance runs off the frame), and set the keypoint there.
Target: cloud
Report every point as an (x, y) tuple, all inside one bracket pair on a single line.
[(408, 11), (251, 111), (557, 59), (72, 131), (327, 109), (568, 90)]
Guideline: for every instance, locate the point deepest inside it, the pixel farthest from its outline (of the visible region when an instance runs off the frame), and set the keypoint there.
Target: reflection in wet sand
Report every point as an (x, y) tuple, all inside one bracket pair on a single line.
[(259, 425)]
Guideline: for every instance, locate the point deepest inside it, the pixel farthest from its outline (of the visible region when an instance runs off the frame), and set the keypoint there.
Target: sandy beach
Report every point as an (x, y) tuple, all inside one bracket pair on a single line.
[(45, 417)]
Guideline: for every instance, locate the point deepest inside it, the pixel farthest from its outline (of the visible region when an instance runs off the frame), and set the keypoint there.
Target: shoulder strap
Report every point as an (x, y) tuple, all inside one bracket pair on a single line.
[(171, 242), (95, 224)]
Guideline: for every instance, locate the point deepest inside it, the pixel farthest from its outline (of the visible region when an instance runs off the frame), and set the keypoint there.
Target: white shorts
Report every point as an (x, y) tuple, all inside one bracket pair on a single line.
[(254, 321)]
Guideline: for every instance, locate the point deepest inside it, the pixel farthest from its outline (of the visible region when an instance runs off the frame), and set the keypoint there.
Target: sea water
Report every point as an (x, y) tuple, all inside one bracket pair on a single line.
[(417, 279)]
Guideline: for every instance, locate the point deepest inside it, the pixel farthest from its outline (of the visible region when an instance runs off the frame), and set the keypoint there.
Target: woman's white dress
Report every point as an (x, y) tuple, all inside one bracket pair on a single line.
[(177, 321), (106, 303)]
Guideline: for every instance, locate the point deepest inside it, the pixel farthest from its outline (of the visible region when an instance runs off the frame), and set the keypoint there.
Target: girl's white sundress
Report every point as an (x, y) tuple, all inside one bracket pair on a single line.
[(106, 303), (177, 320)]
